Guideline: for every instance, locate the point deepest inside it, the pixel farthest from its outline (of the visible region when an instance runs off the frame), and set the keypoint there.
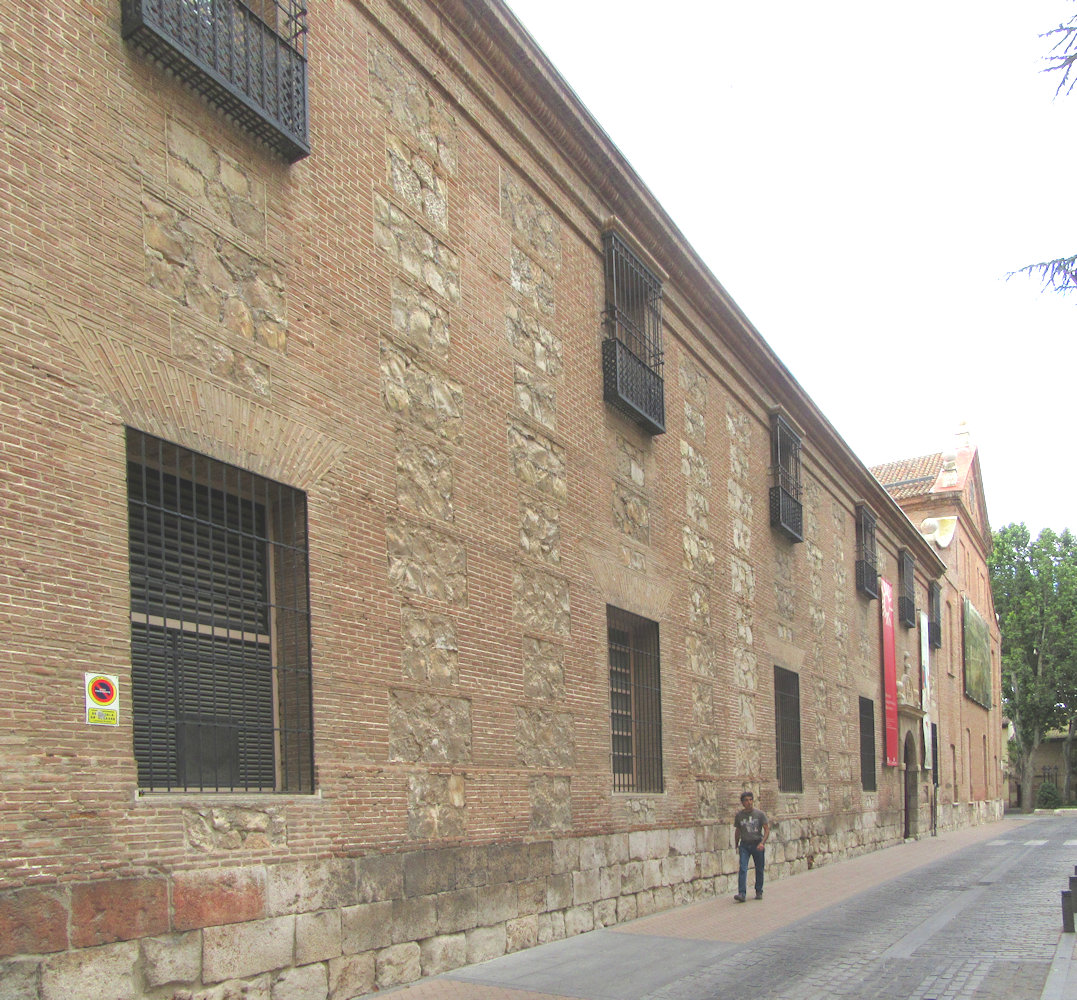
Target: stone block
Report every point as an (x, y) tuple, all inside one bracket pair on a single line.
[(414, 918), (551, 927), (507, 862), (609, 882), (254, 988), (305, 982), (646, 845), (551, 802), (118, 910), (173, 958), (559, 891), (540, 858), (443, 953), (592, 852), (379, 876), (304, 886), (579, 920), (682, 840), (351, 976), (632, 876), (366, 926), (217, 896), (544, 738), (521, 933), (18, 979), (33, 920), (396, 965), (652, 874), (585, 887), (432, 871), (317, 936), (106, 973), (605, 911), (233, 951), (437, 806), (626, 909), (458, 910), (644, 902), (566, 855), (531, 896), (428, 727), (663, 898), (485, 943)]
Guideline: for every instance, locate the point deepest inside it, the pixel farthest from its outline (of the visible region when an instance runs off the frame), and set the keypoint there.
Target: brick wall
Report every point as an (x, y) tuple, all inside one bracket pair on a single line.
[(406, 326)]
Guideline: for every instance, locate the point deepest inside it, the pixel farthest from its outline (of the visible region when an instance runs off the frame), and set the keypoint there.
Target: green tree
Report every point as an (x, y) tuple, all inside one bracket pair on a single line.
[(1034, 583)]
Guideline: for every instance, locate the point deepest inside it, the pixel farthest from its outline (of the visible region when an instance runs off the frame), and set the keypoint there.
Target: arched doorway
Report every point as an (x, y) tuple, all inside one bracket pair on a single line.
[(912, 786)]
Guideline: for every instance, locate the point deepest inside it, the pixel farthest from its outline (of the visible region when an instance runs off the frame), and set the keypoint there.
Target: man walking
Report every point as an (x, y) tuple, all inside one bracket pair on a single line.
[(750, 832)]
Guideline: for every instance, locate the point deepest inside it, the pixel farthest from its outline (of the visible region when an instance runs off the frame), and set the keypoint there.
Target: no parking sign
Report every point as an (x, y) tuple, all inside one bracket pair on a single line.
[(102, 699)]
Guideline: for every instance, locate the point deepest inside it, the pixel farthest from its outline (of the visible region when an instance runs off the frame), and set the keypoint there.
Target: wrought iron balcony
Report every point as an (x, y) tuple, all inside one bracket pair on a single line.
[(634, 388), (934, 634), (907, 611), (247, 59), (786, 513), (867, 578)]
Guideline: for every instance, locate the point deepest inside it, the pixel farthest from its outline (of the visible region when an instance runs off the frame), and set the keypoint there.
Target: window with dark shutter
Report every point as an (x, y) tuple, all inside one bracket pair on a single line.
[(786, 509), (635, 702), (934, 622), (220, 624), (907, 594), (867, 745), (632, 349), (787, 729), (867, 573)]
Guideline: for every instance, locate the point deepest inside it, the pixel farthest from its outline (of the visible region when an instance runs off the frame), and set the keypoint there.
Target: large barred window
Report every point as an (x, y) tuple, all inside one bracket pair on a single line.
[(632, 350), (867, 573), (907, 592), (220, 624), (787, 729), (635, 702)]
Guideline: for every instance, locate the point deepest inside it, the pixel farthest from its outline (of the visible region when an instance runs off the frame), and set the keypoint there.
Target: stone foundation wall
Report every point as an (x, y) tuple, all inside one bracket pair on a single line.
[(343, 928)]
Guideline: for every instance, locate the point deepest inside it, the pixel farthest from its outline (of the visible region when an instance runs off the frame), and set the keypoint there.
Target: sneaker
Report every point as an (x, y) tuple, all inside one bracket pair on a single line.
[(759, 895), (739, 898)]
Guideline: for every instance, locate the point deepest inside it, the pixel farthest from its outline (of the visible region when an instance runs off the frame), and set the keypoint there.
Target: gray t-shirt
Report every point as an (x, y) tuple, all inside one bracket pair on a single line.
[(750, 822)]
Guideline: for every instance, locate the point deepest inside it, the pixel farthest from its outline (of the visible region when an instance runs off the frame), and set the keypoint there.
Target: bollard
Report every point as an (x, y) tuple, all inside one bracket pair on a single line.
[(1067, 911)]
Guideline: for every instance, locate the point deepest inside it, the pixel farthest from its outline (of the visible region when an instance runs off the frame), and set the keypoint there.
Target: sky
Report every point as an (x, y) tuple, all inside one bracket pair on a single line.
[(861, 184)]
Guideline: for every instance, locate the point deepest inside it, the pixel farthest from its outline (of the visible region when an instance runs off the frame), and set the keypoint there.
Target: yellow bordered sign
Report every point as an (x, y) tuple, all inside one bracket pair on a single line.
[(102, 699)]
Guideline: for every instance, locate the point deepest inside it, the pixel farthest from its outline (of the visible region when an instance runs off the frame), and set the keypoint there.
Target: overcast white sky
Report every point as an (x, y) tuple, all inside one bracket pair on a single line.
[(861, 183)]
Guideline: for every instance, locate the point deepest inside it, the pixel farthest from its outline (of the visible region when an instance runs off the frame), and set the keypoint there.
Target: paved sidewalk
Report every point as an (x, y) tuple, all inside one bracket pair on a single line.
[(968, 915)]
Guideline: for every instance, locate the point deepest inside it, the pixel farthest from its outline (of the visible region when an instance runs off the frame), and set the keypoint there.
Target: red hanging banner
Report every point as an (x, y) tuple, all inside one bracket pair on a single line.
[(886, 608)]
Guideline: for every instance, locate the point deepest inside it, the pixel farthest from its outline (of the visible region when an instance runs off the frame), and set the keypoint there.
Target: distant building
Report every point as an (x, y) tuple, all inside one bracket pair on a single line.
[(411, 551), (943, 496)]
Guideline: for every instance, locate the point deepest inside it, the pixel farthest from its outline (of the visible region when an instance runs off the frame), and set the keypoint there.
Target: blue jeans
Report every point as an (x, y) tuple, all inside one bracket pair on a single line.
[(758, 855)]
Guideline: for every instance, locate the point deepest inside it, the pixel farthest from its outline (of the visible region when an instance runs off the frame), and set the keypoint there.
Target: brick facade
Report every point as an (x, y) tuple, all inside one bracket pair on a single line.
[(406, 326)]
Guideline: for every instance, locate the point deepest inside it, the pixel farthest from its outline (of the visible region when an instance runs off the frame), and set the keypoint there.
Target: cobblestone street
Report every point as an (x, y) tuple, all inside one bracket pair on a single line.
[(969, 915)]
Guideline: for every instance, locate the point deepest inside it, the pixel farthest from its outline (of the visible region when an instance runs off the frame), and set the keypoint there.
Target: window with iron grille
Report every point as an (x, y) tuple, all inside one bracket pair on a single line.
[(867, 745), (632, 348), (907, 594), (220, 624), (786, 510), (787, 729), (635, 702), (246, 57), (867, 573), (934, 618)]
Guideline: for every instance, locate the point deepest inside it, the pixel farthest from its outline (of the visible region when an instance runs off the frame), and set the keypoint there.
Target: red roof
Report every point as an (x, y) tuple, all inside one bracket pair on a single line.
[(909, 477)]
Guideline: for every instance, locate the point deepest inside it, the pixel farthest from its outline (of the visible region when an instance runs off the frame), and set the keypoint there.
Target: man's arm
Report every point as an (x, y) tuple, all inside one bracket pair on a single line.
[(766, 833)]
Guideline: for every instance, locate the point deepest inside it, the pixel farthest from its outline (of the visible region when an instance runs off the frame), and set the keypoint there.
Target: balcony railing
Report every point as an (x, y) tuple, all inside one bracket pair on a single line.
[(867, 578), (249, 60), (634, 388), (786, 513), (934, 634), (907, 611)]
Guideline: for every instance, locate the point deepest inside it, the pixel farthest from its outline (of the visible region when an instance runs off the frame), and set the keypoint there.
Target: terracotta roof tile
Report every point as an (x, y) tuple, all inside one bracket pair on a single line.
[(909, 477)]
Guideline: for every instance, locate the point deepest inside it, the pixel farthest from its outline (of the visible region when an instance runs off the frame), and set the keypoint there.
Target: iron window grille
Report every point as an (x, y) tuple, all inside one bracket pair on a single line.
[(786, 509), (220, 625), (907, 595), (632, 349), (246, 58), (867, 745), (635, 702), (787, 729), (934, 618), (867, 573)]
